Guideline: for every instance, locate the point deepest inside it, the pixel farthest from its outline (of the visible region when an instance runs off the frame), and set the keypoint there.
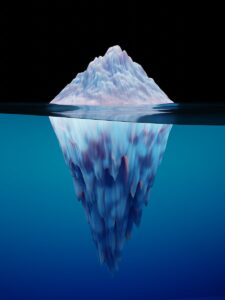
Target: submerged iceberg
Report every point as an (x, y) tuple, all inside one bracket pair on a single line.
[(114, 79), (113, 165)]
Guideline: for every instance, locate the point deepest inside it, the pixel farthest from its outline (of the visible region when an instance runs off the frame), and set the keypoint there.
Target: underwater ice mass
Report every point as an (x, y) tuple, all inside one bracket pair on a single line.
[(114, 79), (112, 179)]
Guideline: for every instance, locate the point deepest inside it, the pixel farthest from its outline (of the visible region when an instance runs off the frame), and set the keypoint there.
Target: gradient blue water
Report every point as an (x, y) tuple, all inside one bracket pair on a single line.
[(46, 250)]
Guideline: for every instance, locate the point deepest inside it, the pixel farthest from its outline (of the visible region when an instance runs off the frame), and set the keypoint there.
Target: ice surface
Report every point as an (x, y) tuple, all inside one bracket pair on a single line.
[(113, 79), (113, 165)]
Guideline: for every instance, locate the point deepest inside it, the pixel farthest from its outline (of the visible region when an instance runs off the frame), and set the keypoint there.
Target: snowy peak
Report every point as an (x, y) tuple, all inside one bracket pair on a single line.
[(115, 49), (113, 79), (116, 54), (113, 61)]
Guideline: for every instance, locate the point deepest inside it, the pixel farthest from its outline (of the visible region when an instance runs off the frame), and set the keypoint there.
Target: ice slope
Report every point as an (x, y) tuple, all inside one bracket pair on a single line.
[(113, 165), (114, 79)]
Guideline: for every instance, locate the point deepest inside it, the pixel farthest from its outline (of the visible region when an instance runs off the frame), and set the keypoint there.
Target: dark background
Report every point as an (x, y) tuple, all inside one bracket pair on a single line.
[(42, 48)]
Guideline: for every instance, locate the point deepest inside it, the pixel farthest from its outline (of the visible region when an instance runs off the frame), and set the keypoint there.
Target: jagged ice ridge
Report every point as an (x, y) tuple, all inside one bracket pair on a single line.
[(114, 79)]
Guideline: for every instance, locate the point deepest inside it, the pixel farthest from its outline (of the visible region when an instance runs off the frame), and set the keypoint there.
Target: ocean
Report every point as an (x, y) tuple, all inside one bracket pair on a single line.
[(96, 209)]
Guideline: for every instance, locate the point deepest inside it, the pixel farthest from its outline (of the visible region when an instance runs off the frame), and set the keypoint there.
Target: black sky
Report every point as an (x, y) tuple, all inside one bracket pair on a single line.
[(42, 48)]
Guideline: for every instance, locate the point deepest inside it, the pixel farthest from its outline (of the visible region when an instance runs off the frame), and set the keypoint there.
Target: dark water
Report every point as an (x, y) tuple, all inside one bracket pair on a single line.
[(93, 209)]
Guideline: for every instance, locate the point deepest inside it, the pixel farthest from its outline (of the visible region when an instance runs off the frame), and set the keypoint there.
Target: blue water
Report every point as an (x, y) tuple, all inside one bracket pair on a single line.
[(46, 247)]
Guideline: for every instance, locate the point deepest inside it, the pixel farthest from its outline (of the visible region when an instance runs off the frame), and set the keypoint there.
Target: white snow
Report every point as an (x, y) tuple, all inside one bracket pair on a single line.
[(114, 79)]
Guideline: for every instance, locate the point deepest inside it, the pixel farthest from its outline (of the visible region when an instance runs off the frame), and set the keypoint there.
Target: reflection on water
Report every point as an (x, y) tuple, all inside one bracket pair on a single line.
[(113, 165)]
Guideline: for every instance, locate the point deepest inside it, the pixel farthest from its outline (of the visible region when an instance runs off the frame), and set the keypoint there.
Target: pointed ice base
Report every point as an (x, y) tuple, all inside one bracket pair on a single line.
[(113, 165)]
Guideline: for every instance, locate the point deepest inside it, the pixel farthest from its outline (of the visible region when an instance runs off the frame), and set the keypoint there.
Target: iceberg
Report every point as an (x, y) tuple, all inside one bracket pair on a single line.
[(115, 80), (113, 165)]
